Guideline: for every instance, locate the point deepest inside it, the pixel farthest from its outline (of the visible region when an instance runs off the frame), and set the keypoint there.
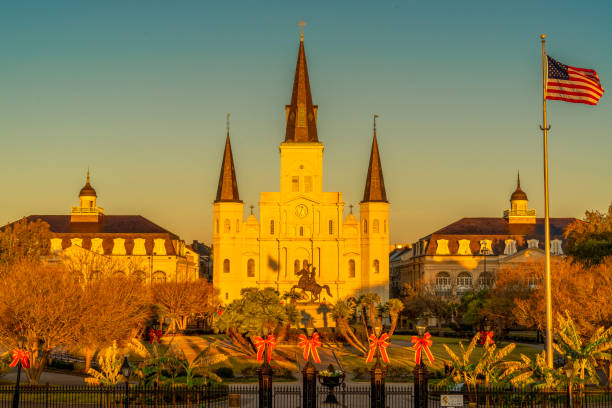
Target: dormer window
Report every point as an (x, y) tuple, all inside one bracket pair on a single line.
[(510, 248), (555, 247), (442, 248), (533, 243), (485, 247), (464, 247)]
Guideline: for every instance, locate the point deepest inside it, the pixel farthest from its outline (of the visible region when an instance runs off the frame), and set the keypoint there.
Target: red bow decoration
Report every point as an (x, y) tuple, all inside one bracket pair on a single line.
[(422, 344), (310, 346), (486, 337), (261, 344), (220, 311), (22, 356), (380, 343), (155, 335)]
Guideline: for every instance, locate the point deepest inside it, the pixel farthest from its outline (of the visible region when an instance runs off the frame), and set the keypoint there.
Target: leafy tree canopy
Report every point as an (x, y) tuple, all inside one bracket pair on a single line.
[(590, 241)]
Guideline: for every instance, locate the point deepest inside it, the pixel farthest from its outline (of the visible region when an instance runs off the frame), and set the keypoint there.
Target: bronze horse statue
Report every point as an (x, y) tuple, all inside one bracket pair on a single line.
[(308, 283)]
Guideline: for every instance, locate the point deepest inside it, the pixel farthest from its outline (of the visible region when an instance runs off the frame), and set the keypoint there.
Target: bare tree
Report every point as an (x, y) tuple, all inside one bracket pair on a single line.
[(43, 304), (114, 309), (182, 300)]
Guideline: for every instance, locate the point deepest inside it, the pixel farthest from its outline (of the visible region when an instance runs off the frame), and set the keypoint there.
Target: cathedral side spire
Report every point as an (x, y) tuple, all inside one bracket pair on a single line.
[(228, 187), (375, 183), (301, 113)]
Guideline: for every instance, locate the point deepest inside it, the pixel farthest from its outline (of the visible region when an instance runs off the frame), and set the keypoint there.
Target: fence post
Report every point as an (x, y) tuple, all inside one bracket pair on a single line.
[(265, 385), (421, 385), (377, 387), (309, 391)]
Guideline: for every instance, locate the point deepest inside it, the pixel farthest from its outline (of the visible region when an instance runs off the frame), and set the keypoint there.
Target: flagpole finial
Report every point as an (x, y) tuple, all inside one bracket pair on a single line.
[(543, 36)]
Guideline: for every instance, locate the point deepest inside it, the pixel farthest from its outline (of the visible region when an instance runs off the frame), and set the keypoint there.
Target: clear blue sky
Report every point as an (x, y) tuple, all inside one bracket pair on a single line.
[(138, 91)]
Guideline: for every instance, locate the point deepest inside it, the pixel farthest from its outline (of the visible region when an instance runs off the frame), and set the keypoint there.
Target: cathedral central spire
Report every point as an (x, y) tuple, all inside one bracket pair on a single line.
[(301, 113)]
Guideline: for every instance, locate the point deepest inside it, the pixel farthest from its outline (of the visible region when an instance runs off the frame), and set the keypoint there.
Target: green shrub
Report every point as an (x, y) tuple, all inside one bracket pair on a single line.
[(224, 372)]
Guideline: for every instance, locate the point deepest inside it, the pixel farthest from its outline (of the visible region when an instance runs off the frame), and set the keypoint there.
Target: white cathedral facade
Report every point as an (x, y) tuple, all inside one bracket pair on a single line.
[(301, 224)]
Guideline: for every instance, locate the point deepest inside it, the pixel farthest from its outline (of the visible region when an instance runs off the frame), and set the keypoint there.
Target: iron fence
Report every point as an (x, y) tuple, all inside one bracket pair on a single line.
[(291, 396), (522, 397)]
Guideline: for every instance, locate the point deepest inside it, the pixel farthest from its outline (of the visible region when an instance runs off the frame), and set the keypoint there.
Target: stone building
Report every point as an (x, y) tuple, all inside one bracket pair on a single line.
[(465, 255), (93, 243), (301, 224)]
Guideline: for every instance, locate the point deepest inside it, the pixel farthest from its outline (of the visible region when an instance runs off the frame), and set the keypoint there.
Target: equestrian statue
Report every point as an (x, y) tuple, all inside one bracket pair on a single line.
[(308, 283)]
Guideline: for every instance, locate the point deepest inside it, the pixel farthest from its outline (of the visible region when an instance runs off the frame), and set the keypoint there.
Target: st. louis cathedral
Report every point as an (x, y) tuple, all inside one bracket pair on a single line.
[(301, 238)]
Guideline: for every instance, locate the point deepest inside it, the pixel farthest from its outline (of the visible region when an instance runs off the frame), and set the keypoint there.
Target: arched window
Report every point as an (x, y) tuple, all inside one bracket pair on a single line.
[(464, 283), (251, 268), (385, 226), (296, 266), (331, 227), (301, 231), (272, 227), (159, 277), (351, 268), (305, 264), (375, 227), (217, 226), (140, 276), (226, 266), (443, 284), (237, 225), (226, 225), (376, 266), (485, 280), (365, 226)]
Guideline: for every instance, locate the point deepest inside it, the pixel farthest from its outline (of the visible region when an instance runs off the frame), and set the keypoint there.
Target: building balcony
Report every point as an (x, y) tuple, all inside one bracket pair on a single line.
[(519, 213), (86, 210)]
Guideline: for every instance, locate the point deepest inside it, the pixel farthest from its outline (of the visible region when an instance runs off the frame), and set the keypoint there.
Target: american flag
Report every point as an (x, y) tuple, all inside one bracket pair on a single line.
[(571, 84)]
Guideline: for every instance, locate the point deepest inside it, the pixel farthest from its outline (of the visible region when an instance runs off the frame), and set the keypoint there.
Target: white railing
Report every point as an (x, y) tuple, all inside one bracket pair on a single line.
[(86, 210), (519, 213)]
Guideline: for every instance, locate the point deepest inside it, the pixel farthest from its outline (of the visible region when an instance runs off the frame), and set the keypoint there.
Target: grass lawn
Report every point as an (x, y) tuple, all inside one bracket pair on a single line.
[(401, 355)]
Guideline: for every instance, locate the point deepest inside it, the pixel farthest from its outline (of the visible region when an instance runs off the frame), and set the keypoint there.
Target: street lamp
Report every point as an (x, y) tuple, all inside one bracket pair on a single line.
[(569, 373), (20, 346), (309, 376), (126, 370), (420, 374), (421, 327)]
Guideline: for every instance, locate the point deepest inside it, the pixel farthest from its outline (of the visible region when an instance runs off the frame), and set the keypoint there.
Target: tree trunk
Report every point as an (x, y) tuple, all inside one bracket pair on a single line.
[(345, 334), (89, 352), (352, 335), (393, 324), (38, 361), (282, 332)]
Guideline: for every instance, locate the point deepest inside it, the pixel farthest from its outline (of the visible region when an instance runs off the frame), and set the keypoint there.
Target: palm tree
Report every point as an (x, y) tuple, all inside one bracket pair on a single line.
[(368, 303), (534, 372), (582, 355), (489, 368), (393, 307), (342, 311)]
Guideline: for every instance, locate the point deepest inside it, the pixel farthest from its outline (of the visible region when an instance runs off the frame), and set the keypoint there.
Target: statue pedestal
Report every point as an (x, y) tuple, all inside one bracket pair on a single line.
[(319, 313)]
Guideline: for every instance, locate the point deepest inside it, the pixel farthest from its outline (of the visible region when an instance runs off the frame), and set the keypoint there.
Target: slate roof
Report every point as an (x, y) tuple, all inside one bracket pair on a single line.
[(111, 224), (497, 230)]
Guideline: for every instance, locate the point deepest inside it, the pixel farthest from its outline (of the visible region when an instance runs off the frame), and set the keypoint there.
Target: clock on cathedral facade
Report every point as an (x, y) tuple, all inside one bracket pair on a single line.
[(301, 226)]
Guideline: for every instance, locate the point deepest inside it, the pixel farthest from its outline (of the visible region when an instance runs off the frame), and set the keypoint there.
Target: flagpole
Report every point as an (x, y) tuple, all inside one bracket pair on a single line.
[(545, 128)]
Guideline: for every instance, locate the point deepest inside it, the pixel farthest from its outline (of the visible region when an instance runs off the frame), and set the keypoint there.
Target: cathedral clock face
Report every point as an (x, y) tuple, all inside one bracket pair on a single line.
[(301, 210)]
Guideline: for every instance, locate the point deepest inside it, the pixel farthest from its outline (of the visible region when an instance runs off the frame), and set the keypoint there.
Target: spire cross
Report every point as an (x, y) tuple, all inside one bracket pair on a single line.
[(88, 174), (301, 24), (251, 207), (375, 116), (351, 207), (227, 122)]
